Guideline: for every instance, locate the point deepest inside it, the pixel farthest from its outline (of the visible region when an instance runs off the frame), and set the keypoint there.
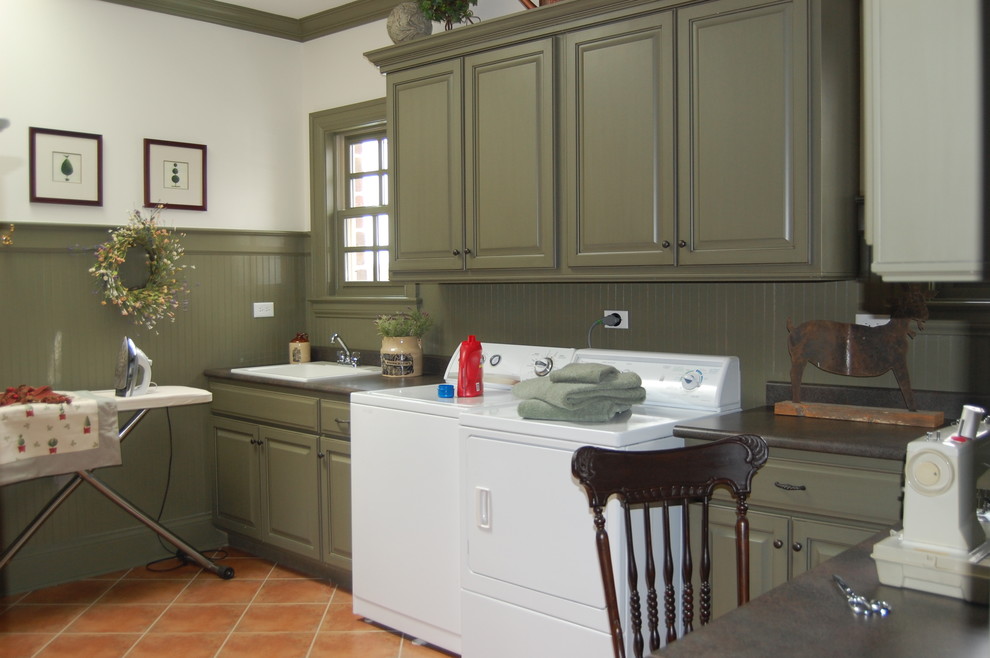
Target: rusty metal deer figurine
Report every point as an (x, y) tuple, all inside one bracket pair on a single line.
[(857, 350)]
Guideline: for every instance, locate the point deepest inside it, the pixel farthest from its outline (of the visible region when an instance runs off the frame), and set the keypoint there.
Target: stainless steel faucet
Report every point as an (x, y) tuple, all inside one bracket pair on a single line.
[(345, 356)]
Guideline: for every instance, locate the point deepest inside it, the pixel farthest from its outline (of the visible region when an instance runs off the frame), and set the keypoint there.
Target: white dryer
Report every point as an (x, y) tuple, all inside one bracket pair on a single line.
[(530, 580)]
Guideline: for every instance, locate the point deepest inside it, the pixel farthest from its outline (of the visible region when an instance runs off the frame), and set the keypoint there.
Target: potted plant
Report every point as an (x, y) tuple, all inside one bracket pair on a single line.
[(449, 12), (402, 342)]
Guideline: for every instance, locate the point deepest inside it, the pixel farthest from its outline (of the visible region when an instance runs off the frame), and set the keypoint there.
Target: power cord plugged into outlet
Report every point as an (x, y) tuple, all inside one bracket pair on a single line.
[(612, 320)]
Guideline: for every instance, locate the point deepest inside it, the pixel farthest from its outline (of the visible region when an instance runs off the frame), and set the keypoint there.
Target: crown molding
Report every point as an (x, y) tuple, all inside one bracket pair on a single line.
[(353, 14)]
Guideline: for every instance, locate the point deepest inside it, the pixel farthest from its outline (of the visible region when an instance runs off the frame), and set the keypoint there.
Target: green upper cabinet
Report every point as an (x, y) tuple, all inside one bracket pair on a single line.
[(427, 179), (743, 103), (508, 158), (618, 143), (473, 173), (768, 146), (714, 140)]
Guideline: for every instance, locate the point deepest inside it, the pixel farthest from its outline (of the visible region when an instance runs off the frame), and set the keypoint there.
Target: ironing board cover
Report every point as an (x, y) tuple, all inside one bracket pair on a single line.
[(51, 439)]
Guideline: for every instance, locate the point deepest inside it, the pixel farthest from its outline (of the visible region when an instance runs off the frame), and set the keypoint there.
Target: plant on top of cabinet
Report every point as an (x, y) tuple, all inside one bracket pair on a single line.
[(449, 12)]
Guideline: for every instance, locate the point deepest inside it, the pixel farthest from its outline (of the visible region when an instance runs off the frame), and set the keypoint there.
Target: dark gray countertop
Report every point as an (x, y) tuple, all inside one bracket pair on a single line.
[(812, 434), (338, 385), (809, 617)]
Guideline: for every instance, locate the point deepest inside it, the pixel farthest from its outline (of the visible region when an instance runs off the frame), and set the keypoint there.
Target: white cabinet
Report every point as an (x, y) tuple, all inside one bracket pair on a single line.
[(924, 139)]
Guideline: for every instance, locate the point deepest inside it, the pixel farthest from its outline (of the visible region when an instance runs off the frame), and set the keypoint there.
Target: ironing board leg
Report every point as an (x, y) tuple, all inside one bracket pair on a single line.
[(42, 516), (220, 570)]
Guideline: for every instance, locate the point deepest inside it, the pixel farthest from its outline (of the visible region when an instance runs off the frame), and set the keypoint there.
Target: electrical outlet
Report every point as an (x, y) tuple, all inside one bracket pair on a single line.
[(869, 320), (623, 321), (264, 309)]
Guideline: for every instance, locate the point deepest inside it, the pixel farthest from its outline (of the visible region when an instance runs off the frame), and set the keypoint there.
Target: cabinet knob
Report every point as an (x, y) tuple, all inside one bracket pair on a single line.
[(321, 454), (456, 252), (467, 251), (665, 244), (796, 546), (778, 543), (681, 243)]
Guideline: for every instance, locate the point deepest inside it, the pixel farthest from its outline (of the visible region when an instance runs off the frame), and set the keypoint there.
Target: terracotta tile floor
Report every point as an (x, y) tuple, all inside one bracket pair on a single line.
[(265, 610)]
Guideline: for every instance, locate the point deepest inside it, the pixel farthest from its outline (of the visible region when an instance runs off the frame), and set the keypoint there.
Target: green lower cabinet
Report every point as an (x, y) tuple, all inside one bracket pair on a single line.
[(335, 481), (267, 486), (780, 548), (822, 541), (238, 477), (283, 487), (291, 491)]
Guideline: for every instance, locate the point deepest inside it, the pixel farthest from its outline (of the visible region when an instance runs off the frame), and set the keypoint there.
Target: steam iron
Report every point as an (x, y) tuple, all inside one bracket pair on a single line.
[(133, 373)]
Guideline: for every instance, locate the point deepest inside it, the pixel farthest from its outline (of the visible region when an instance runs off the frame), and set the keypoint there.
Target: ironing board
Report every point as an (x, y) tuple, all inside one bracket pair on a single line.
[(140, 405)]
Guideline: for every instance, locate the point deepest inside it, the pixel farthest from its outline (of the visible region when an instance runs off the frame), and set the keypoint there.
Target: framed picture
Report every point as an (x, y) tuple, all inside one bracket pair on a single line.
[(66, 167), (174, 175)]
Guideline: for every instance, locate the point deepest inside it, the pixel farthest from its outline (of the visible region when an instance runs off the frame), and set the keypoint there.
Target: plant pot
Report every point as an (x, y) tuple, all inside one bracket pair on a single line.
[(402, 356)]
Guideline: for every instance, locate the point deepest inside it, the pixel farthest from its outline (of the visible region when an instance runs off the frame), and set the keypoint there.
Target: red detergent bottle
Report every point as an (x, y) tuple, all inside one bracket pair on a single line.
[(469, 380)]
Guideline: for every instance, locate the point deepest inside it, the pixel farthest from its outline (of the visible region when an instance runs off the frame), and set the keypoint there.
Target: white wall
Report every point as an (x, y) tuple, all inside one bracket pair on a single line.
[(128, 74), (336, 73)]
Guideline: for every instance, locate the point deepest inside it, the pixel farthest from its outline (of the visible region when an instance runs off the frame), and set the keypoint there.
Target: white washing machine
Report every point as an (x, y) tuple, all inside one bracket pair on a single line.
[(530, 580), (405, 485)]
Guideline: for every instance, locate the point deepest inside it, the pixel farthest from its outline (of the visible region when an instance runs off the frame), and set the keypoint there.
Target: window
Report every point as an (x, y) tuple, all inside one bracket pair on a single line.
[(363, 221), (350, 214)]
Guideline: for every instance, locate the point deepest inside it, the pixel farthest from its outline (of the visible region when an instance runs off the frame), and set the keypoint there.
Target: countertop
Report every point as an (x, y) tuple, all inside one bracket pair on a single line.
[(843, 437), (808, 616), (337, 385)]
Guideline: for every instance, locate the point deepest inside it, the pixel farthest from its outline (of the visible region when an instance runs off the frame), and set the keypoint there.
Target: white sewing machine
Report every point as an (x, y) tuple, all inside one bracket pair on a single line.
[(944, 545)]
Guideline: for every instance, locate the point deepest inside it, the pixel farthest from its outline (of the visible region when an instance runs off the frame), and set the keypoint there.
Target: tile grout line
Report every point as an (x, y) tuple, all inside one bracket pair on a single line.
[(85, 609), (245, 611), (161, 614), (323, 618)]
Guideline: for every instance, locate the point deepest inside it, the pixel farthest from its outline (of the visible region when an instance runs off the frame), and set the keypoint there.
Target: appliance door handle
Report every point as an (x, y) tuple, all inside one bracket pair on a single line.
[(483, 507)]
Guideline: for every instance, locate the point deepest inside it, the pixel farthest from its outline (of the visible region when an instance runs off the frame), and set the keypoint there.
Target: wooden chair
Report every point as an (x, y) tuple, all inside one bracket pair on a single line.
[(668, 478)]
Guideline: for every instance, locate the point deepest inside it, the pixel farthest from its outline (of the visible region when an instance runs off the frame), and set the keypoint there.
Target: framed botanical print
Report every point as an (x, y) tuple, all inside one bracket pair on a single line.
[(174, 175), (66, 167)]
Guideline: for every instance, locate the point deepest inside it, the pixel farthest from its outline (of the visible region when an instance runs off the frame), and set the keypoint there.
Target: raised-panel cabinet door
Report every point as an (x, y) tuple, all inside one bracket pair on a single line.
[(291, 490), (509, 156), (813, 542), (425, 158), (768, 558), (335, 473), (238, 477), (743, 108), (618, 137)]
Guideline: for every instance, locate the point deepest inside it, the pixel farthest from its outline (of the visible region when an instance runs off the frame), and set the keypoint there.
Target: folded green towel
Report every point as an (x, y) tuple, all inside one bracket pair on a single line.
[(584, 373), (625, 388), (596, 411)]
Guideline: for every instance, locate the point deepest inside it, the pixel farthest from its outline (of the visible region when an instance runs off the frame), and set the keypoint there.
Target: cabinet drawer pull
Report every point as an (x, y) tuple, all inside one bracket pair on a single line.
[(342, 421), (789, 487)]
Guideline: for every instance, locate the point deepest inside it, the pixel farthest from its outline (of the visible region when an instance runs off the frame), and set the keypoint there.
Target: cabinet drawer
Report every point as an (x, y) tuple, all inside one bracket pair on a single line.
[(848, 493), (266, 406), (335, 417)]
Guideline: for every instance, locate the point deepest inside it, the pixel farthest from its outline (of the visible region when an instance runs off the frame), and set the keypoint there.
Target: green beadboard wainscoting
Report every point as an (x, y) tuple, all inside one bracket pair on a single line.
[(745, 319), (55, 331)]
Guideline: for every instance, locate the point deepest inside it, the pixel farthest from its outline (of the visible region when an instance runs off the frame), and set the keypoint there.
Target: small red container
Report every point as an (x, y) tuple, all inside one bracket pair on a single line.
[(469, 380)]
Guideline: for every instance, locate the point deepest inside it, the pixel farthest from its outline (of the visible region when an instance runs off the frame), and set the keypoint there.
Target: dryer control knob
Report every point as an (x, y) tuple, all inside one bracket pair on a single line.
[(542, 367)]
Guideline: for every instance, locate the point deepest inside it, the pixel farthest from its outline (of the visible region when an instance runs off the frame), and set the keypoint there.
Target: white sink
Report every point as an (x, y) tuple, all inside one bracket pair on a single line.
[(308, 372)]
